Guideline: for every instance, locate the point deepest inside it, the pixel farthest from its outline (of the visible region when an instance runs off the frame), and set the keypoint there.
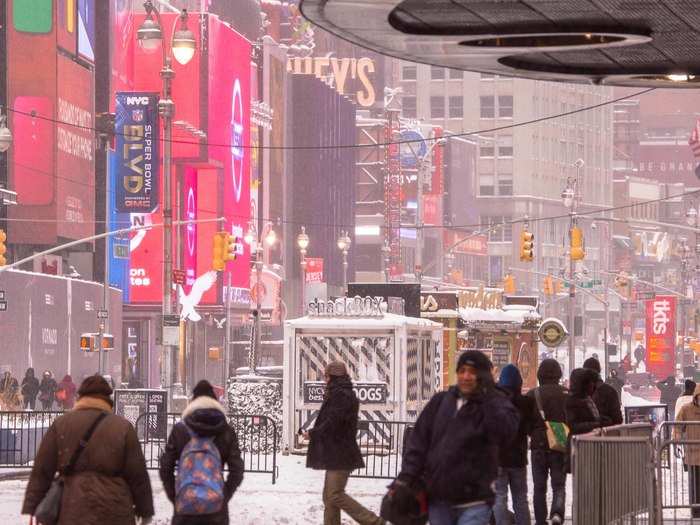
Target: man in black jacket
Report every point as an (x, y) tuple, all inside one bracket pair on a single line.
[(455, 444), (205, 417), (333, 447), (605, 397), (670, 392), (546, 462), (512, 458)]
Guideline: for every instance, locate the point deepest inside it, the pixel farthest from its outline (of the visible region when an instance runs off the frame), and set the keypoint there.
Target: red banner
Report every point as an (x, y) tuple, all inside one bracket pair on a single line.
[(314, 270), (661, 335), (469, 243)]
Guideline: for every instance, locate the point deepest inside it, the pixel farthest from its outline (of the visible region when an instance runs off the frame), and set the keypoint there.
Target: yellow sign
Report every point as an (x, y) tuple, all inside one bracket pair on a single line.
[(490, 299)]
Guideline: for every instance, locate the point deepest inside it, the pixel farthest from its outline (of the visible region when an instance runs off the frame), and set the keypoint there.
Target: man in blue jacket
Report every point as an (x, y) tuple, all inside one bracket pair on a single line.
[(455, 444)]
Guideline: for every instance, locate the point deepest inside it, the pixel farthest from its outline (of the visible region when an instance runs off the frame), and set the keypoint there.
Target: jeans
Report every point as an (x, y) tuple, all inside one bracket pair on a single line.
[(516, 478), (335, 499), (444, 514), (694, 489), (548, 463)]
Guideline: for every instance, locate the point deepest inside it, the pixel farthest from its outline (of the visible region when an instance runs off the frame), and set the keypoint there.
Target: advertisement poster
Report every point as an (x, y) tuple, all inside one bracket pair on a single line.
[(137, 146), (654, 414), (314, 270), (661, 335), (134, 403), (367, 393)]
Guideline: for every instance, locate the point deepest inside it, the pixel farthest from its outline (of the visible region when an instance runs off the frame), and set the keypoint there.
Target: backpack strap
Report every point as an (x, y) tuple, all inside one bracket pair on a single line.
[(538, 401), (82, 444)]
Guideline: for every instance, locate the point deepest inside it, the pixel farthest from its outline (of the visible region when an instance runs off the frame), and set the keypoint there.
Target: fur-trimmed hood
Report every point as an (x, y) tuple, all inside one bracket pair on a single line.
[(205, 416)]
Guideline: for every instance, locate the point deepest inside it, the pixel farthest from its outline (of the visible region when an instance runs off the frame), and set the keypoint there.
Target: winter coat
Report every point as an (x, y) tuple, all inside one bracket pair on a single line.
[(514, 454), (69, 388), (9, 393), (689, 412), (30, 386), (110, 484), (455, 452), (607, 401), (205, 417), (333, 439), (681, 402), (616, 383), (553, 397), (47, 389), (670, 392)]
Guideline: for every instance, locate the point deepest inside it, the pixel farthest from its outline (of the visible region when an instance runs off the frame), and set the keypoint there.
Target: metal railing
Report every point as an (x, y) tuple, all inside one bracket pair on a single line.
[(613, 473), (21, 434), (381, 444)]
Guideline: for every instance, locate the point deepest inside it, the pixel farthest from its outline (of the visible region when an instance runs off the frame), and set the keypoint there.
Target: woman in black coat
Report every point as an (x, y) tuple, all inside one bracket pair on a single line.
[(582, 415), (30, 389), (333, 447)]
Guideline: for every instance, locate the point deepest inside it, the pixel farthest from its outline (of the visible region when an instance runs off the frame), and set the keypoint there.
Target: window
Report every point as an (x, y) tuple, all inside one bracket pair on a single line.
[(408, 73), (505, 184), (505, 146), (437, 73), (505, 106), (486, 150), (488, 109), (456, 107), (503, 233), (456, 74), (487, 76), (437, 107), (408, 107), (486, 185)]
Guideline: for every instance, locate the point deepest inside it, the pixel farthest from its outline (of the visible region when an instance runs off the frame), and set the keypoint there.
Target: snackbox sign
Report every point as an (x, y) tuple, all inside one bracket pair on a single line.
[(661, 335), (367, 393)]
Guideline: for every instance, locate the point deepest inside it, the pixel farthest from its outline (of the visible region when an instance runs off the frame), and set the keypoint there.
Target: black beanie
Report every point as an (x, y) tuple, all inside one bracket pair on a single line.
[(592, 364), (475, 359), (96, 386), (203, 388)]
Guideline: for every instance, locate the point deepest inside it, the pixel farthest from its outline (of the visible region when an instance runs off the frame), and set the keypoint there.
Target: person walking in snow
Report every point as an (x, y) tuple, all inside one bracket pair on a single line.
[(687, 397), (47, 390), (9, 392), (30, 389), (198, 447), (548, 399), (333, 447), (691, 456), (109, 483), (670, 392), (65, 393), (512, 465), (605, 396), (454, 447)]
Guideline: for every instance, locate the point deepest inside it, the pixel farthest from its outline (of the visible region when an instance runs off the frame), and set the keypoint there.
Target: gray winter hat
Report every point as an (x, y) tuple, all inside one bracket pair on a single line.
[(336, 368)]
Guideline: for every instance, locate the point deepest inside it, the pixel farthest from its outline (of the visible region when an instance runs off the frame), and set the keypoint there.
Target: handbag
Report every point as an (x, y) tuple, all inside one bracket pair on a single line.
[(49, 508), (405, 505), (557, 432)]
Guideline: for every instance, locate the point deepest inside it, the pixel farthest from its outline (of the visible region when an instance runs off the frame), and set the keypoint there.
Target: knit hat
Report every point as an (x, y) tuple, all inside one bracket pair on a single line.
[(203, 388), (475, 359), (510, 378), (96, 386), (592, 364), (336, 368)]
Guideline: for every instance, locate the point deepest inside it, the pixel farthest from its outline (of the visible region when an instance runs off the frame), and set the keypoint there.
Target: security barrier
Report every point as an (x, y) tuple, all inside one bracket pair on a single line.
[(613, 473), (381, 445)]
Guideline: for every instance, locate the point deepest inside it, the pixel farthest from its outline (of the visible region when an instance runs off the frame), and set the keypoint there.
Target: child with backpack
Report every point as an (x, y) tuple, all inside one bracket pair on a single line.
[(198, 447)]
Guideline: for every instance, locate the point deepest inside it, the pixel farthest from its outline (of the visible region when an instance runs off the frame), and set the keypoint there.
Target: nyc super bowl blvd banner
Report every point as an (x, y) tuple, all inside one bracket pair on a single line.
[(661, 335), (137, 148)]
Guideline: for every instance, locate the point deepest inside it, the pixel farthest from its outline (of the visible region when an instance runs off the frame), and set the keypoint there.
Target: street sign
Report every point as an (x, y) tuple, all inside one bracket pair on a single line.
[(3, 306), (552, 332), (120, 251), (646, 296), (171, 330), (102, 314), (179, 277)]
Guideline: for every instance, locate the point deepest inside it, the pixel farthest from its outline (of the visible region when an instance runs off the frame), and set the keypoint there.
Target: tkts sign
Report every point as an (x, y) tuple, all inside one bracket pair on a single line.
[(661, 335)]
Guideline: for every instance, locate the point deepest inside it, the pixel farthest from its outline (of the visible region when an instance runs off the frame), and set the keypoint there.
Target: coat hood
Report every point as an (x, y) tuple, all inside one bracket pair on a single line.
[(205, 416), (511, 379), (549, 372), (581, 379)]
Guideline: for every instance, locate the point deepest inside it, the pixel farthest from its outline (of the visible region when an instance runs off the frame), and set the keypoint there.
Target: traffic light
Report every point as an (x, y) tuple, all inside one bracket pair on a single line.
[(578, 252), (224, 250), (548, 285), (509, 284), (527, 245), (558, 286), (3, 248)]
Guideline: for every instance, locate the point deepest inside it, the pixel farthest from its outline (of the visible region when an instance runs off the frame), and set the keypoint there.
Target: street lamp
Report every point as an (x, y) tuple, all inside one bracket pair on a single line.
[(344, 243), (303, 243), (182, 47), (5, 133), (269, 238), (424, 170), (450, 261)]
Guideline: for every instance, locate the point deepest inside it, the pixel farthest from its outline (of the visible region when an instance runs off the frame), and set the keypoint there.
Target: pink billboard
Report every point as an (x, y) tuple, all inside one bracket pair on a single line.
[(661, 335)]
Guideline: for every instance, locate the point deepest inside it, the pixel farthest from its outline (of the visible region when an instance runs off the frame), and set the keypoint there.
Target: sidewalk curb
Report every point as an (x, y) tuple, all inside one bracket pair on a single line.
[(14, 475)]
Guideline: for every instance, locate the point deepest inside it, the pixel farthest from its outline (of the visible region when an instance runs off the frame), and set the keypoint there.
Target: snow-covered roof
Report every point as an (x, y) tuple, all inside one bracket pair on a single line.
[(367, 323), (508, 315)]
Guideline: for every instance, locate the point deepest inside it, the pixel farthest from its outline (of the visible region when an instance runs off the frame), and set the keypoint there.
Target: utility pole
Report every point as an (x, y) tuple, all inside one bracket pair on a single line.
[(571, 196)]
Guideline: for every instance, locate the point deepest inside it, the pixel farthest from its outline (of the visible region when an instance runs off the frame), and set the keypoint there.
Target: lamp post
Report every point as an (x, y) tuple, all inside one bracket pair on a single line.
[(570, 197), (269, 237), (344, 243), (450, 262), (303, 243), (183, 47), (386, 259)]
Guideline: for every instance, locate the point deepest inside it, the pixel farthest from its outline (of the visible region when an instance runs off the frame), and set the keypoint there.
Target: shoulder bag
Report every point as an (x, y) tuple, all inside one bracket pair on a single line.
[(49, 509), (557, 432)]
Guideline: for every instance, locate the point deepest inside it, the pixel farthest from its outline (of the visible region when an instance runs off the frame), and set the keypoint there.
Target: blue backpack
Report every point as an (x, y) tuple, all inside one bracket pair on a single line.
[(199, 486)]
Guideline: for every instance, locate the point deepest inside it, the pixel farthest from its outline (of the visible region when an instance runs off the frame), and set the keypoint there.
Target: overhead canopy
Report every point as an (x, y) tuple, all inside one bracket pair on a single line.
[(634, 43)]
